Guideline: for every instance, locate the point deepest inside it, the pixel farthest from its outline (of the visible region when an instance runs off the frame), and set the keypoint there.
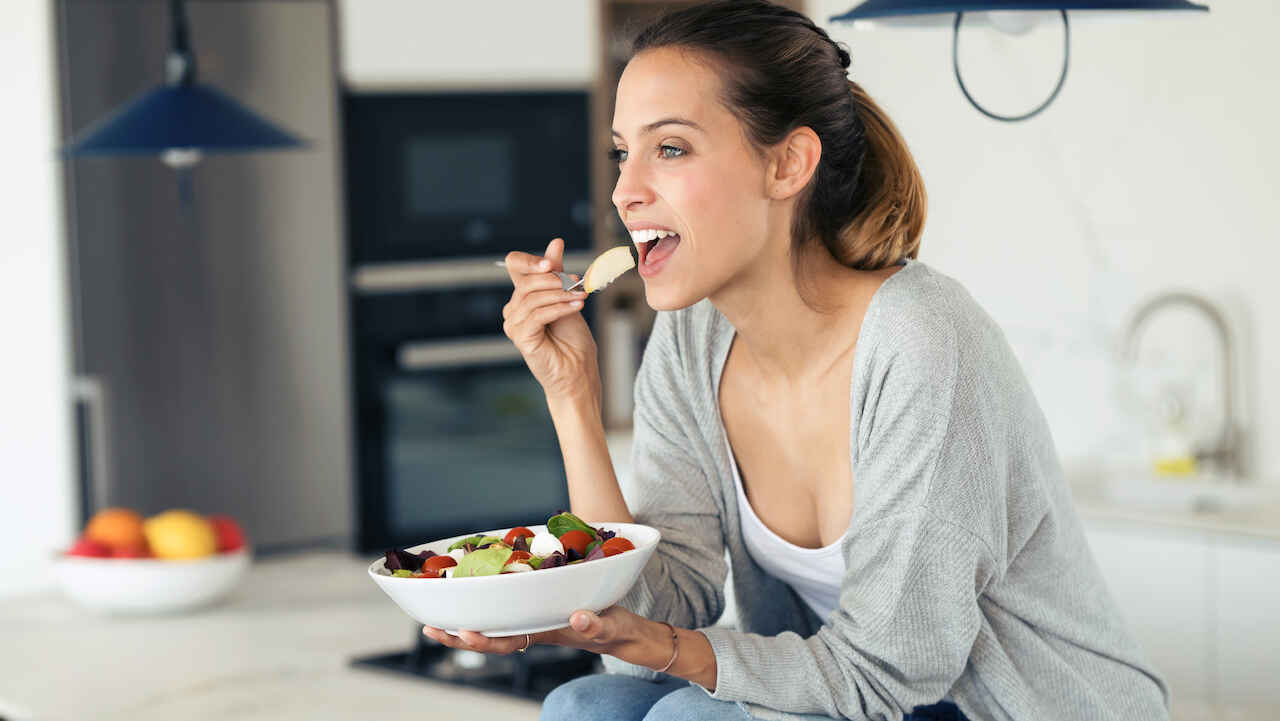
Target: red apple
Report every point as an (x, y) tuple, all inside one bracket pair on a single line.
[(229, 534), (90, 548), (136, 550)]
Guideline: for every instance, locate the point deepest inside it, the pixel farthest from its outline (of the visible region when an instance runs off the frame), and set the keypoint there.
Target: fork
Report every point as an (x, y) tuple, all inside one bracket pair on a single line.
[(566, 279)]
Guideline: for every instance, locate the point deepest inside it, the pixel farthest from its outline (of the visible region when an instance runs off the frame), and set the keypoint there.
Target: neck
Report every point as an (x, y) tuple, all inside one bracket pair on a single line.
[(790, 342)]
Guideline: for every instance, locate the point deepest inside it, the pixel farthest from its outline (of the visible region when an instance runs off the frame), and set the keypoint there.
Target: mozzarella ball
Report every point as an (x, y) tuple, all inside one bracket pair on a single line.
[(544, 544)]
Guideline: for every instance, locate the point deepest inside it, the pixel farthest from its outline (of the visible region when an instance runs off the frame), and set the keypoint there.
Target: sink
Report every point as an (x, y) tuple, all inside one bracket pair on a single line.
[(1197, 494)]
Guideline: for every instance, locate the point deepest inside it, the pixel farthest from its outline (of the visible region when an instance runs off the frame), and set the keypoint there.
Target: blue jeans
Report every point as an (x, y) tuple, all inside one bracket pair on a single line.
[(614, 697)]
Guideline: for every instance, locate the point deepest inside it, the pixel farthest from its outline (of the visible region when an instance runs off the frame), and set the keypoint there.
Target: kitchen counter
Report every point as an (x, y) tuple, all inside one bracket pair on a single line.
[(1258, 519), (278, 648)]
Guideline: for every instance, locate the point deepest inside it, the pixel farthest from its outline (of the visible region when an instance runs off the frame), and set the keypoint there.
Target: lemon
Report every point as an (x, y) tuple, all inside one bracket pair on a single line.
[(180, 534)]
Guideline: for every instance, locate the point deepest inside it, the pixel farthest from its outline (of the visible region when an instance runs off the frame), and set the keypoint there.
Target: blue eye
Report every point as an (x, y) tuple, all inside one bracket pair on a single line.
[(662, 149), (617, 155)]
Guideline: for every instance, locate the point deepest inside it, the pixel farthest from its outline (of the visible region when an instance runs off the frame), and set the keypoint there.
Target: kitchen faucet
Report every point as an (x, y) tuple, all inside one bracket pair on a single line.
[(1226, 453)]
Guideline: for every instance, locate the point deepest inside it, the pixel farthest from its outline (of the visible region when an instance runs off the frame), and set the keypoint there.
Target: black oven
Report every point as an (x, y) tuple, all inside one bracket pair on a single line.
[(454, 434), (447, 175)]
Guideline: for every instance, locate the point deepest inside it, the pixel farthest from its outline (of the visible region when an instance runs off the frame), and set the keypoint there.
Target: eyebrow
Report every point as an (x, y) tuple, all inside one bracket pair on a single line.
[(665, 121)]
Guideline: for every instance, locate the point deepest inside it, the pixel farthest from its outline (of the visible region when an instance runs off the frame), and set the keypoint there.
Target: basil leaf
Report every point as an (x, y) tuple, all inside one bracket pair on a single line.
[(563, 522)]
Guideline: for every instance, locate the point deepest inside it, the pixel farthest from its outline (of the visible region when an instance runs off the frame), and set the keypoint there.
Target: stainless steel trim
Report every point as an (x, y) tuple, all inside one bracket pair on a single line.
[(440, 274), (429, 355), (91, 391)]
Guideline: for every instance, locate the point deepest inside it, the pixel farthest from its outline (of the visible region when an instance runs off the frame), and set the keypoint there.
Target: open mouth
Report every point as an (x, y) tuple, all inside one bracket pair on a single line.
[(653, 252)]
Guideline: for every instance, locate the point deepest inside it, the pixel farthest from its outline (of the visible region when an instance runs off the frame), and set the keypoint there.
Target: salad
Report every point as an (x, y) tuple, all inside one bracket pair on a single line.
[(567, 540)]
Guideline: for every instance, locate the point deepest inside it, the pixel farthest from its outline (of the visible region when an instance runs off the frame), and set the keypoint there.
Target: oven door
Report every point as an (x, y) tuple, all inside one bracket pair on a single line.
[(457, 438)]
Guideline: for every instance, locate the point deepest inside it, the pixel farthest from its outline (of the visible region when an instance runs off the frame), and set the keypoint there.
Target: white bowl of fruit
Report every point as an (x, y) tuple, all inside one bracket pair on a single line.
[(171, 562), (512, 581)]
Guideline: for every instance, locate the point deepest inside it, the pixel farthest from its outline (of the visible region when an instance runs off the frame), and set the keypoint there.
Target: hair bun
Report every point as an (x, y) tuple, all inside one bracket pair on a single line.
[(842, 56)]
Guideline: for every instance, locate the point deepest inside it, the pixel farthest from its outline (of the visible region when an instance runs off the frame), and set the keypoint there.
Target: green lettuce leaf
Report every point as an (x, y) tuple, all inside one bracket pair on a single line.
[(474, 540), (483, 562)]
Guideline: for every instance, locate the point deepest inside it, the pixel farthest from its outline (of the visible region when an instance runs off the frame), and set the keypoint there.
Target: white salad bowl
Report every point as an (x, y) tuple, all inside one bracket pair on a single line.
[(511, 604), (142, 586)]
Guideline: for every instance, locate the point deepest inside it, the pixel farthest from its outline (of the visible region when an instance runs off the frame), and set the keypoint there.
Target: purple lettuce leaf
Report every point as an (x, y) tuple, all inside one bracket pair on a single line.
[(424, 555), (573, 555), (555, 559), (604, 535), (403, 560), (595, 553), (520, 544)]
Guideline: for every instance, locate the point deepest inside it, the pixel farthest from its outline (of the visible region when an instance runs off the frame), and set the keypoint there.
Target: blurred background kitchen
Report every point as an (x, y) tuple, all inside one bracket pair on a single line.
[(306, 338)]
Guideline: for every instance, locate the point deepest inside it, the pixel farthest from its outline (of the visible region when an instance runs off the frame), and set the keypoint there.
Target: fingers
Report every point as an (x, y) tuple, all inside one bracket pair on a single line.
[(472, 641), (591, 626), (519, 310), (522, 264), (555, 254)]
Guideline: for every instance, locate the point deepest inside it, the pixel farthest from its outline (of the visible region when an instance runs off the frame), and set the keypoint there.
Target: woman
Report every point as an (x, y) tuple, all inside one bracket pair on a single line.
[(842, 418)]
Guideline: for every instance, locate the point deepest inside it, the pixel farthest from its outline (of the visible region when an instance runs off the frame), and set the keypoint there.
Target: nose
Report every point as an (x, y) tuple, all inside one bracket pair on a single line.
[(632, 191)]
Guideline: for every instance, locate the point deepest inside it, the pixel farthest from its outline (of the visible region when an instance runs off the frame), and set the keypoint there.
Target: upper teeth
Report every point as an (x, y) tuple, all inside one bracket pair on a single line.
[(644, 236)]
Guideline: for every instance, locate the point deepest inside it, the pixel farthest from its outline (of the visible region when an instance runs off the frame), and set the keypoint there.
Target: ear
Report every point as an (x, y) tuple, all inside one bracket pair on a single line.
[(794, 161)]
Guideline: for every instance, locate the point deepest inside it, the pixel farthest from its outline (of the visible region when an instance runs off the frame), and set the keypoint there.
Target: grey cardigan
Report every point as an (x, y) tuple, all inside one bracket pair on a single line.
[(968, 577)]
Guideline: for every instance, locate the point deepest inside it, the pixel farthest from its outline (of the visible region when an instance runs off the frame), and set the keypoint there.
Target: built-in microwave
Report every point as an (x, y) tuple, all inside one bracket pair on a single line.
[(464, 175)]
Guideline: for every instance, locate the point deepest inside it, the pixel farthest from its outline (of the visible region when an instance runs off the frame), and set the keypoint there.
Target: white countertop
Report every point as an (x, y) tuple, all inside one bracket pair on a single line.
[(278, 648), (1154, 504)]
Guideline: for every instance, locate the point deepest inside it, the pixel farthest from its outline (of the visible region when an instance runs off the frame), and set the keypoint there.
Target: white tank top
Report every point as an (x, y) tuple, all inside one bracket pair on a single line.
[(814, 573)]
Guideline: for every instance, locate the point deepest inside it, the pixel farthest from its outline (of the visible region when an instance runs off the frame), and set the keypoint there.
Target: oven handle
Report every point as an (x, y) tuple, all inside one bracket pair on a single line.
[(445, 274), (455, 352)]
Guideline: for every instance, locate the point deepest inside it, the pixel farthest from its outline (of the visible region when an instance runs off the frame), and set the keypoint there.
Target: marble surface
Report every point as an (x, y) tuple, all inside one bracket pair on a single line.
[(278, 648)]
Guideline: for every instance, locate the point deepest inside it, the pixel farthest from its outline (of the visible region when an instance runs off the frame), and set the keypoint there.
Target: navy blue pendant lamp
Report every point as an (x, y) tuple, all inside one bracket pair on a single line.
[(181, 120), (1004, 14)]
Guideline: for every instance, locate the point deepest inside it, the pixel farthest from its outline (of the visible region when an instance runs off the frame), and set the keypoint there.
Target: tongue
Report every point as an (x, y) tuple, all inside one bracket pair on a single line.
[(664, 248)]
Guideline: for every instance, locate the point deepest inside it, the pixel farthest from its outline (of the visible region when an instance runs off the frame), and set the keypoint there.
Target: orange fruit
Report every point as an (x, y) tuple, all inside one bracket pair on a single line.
[(116, 528)]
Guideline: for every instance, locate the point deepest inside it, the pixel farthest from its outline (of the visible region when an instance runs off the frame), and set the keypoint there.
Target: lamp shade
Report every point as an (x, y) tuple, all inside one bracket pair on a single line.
[(896, 8), (183, 116)]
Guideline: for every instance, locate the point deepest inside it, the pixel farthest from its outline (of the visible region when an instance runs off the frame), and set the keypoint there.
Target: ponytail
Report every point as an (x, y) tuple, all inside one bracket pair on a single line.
[(889, 202)]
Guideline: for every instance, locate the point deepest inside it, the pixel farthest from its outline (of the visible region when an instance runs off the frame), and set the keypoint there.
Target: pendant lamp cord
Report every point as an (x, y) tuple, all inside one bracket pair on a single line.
[(955, 62), (180, 64)]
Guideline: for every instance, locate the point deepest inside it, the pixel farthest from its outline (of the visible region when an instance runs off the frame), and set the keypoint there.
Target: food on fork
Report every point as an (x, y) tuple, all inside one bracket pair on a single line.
[(607, 267)]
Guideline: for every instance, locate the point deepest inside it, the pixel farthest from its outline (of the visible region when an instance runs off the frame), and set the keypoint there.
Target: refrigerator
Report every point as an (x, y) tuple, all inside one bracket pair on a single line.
[(210, 327)]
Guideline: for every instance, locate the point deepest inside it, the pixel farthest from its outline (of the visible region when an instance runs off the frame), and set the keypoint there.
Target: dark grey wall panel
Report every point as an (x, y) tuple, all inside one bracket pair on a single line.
[(218, 329)]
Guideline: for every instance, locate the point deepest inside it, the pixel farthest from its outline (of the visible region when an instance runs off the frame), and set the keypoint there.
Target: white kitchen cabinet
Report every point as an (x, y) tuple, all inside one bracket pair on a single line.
[(1161, 580), (503, 44), (1246, 605)]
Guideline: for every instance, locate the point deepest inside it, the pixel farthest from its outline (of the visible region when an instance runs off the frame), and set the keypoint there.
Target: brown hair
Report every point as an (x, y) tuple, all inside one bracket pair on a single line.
[(866, 201)]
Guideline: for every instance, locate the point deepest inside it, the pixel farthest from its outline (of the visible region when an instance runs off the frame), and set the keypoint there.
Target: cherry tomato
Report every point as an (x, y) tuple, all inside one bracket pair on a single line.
[(515, 533), (437, 564), (616, 545), (576, 540), (518, 556)]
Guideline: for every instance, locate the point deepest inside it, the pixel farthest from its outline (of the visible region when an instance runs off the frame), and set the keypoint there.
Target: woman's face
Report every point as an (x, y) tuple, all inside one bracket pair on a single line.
[(685, 166)]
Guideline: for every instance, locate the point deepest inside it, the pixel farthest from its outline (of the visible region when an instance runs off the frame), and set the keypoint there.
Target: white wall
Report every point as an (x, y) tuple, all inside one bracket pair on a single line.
[(1157, 166), (37, 512), (391, 44)]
